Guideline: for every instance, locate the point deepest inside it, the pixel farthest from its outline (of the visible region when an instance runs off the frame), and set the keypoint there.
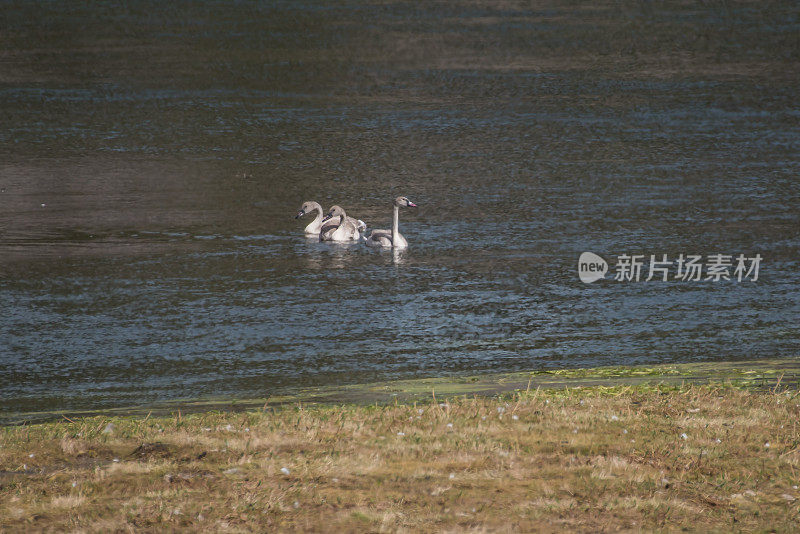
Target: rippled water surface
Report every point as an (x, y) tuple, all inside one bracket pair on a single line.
[(153, 155)]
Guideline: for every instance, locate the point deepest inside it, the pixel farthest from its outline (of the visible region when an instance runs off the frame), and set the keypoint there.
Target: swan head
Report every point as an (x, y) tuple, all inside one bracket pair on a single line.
[(403, 202), (307, 207), (335, 211)]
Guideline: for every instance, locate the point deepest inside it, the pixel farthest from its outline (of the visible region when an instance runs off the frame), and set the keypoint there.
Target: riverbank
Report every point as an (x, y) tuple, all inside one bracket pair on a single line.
[(755, 373), (720, 453)]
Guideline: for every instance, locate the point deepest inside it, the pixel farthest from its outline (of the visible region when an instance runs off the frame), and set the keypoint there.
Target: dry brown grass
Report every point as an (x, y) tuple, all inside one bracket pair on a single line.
[(579, 460)]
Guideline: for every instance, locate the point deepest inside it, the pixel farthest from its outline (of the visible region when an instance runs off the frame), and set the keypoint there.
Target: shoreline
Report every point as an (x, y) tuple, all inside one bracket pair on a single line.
[(586, 450), (745, 373)]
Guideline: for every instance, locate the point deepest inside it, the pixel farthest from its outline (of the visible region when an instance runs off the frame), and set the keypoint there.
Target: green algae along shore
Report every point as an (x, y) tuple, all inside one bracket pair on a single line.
[(738, 373), (702, 447)]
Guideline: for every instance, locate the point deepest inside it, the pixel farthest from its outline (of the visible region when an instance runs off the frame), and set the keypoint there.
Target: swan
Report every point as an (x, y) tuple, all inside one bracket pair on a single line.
[(391, 238), (316, 226), (346, 230)]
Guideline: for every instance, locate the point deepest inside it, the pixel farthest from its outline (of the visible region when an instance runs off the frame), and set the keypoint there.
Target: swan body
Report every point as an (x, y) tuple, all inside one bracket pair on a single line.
[(345, 231), (320, 225), (391, 238)]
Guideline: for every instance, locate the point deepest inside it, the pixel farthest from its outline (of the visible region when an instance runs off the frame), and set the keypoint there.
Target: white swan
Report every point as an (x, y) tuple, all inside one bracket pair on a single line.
[(345, 231), (319, 225), (391, 238), (314, 226)]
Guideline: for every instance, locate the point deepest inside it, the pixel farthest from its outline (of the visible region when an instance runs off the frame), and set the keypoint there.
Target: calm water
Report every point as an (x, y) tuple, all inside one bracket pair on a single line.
[(152, 158)]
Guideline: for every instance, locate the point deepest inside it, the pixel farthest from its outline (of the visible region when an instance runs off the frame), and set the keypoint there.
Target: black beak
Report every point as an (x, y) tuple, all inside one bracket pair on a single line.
[(300, 214), (328, 216)]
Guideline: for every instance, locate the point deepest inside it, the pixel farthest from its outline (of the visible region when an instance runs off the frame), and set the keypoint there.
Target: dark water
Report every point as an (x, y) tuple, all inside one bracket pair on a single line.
[(152, 157)]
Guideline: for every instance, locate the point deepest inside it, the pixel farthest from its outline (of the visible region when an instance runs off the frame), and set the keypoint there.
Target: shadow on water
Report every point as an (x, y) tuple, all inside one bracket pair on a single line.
[(152, 158)]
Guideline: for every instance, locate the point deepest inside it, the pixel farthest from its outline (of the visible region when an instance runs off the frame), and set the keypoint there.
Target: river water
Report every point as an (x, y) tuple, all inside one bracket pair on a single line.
[(153, 156)]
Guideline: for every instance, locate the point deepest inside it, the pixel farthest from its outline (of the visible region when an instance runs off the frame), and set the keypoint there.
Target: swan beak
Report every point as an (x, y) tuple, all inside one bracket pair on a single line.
[(411, 204), (299, 214), (328, 216)]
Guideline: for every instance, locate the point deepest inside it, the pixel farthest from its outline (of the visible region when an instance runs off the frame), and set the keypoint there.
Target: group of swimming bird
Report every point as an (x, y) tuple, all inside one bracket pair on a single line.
[(336, 226)]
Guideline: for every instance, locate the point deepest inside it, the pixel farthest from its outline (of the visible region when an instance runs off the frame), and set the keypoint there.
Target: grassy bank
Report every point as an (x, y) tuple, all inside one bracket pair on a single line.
[(637, 456)]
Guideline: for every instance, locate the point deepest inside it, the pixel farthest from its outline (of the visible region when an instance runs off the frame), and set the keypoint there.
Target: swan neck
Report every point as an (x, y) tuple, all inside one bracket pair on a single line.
[(315, 225), (318, 218), (395, 225)]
